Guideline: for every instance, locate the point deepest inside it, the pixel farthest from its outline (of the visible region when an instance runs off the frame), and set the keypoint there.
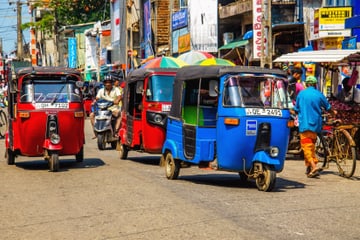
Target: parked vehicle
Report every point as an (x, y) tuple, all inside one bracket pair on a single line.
[(46, 115), (146, 104), (231, 119), (104, 124)]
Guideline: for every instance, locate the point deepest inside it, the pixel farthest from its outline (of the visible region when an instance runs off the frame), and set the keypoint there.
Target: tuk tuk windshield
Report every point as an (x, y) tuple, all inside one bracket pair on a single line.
[(160, 88), (255, 91), (49, 92)]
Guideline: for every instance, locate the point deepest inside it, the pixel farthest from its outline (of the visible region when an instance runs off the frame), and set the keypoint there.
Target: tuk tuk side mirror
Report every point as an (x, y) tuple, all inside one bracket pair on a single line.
[(79, 84), (213, 88), (148, 93), (139, 87), (13, 86)]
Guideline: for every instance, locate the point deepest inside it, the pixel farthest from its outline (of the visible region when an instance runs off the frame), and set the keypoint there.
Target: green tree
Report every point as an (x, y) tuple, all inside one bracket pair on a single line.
[(68, 12)]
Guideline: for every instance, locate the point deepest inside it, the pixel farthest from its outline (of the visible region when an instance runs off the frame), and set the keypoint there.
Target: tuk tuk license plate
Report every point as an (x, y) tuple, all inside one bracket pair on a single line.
[(166, 107), (263, 112), (51, 105)]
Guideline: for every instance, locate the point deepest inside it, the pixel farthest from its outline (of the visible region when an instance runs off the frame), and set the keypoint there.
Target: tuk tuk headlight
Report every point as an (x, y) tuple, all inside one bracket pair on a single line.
[(54, 138), (274, 152), (158, 118)]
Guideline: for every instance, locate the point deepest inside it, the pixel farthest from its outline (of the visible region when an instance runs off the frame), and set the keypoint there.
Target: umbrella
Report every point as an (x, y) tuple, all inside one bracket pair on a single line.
[(164, 62), (194, 56), (215, 61)]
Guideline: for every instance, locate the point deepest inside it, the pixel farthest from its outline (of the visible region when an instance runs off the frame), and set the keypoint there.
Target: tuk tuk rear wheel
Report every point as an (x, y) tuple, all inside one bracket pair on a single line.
[(101, 141), (80, 156), (123, 151), (266, 181), (10, 157), (172, 167), (54, 162)]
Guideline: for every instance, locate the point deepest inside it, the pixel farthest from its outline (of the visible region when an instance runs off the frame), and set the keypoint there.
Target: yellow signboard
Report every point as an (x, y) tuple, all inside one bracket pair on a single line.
[(184, 43), (333, 17)]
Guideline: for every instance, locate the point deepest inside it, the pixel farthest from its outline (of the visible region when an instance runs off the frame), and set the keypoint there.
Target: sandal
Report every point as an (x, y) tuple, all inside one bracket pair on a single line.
[(313, 173)]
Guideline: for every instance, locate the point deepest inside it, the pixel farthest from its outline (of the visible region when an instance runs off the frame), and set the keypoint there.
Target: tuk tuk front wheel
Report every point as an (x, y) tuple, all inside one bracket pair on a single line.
[(10, 157), (123, 151), (101, 141), (54, 162), (266, 180), (172, 167)]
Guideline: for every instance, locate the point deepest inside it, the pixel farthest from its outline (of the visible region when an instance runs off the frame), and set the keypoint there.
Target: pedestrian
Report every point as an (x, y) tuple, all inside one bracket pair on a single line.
[(309, 106), (349, 93), (295, 85)]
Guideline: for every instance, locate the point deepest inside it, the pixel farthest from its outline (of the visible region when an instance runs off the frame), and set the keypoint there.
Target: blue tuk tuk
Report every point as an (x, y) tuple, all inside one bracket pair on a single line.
[(231, 119)]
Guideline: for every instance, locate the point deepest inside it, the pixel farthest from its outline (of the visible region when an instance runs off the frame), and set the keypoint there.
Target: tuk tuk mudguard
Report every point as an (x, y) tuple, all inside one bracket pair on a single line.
[(263, 157), (172, 147)]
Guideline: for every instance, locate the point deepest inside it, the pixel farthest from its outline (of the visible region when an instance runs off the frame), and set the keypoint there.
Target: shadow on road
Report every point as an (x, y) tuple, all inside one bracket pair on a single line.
[(148, 160), (65, 164), (233, 181)]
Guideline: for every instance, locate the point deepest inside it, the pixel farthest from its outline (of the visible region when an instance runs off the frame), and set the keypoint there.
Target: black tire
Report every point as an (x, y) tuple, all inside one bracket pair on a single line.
[(54, 162), (123, 151), (321, 149), (3, 123), (346, 161), (243, 178), (80, 155), (357, 142), (267, 180), (10, 157), (101, 141), (172, 167)]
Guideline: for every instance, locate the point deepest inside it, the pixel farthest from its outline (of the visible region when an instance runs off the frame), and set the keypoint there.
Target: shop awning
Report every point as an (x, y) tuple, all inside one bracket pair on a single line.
[(234, 44), (321, 56)]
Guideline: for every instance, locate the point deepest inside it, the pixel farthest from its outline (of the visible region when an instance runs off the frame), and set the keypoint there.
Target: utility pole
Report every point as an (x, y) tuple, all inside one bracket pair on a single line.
[(19, 53)]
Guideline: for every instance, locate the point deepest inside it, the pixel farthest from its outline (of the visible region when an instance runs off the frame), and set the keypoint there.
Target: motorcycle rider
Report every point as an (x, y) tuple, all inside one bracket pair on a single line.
[(109, 93)]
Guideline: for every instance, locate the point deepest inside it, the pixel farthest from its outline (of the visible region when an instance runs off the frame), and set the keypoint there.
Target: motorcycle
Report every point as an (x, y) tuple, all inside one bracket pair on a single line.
[(104, 124)]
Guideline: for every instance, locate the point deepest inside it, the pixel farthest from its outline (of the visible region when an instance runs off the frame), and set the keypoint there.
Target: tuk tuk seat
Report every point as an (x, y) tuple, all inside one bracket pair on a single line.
[(189, 115)]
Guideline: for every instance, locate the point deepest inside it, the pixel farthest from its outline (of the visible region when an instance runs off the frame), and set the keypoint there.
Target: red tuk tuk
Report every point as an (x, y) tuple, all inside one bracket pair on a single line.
[(46, 115), (147, 101)]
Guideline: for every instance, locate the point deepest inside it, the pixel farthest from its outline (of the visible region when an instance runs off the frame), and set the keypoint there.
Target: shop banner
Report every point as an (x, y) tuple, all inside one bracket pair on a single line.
[(257, 29), (179, 19), (72, 52), (204, 25), (147, 29)]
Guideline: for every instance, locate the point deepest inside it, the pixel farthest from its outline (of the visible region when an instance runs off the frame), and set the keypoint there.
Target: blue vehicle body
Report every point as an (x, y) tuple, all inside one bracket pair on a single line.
[(230, 135)]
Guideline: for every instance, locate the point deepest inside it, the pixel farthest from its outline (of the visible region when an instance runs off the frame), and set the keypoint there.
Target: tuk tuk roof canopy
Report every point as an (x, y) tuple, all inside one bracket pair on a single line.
[(47, 70), (194, 72), (141, 73), (339, 55)]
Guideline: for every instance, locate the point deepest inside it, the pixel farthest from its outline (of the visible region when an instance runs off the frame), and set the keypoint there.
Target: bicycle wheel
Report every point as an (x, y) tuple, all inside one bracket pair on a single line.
[(3, 123), (321, 148), (346, 153)]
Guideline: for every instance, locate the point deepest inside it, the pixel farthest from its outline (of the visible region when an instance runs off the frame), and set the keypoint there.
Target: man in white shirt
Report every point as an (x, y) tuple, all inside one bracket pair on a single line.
[(112, 94)]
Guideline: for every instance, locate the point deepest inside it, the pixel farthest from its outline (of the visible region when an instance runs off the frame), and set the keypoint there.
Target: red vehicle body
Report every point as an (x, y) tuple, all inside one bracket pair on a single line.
[(146, 103), (46, 115)]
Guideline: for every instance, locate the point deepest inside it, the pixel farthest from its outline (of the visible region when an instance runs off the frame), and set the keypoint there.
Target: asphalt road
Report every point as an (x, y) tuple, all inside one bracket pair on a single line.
[(108, 198)]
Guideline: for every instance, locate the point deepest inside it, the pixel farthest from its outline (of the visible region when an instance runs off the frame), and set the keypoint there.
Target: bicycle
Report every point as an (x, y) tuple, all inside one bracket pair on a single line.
[(3, 123), (335, 144)]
